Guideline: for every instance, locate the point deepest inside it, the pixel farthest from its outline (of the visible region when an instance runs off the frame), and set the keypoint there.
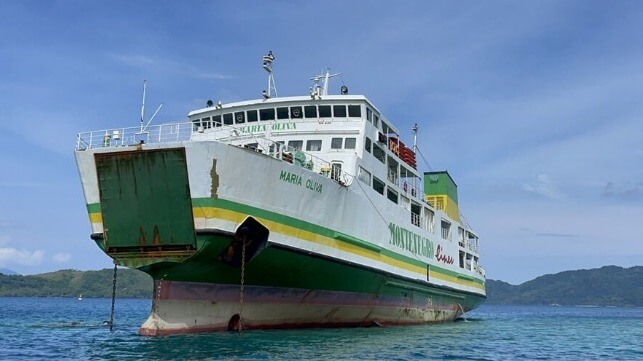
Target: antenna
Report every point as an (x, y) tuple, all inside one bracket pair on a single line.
[(267, 66), (143, 124), (415, 138), (319, 90)]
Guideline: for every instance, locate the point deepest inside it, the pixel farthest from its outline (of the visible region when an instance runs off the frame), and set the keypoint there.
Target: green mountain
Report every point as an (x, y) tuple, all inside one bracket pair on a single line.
[(130, 283), (606, 286)]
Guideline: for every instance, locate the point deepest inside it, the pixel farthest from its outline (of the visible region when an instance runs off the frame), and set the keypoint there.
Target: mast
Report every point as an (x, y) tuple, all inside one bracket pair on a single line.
[(267, 66), (415, 138), (317, 90)]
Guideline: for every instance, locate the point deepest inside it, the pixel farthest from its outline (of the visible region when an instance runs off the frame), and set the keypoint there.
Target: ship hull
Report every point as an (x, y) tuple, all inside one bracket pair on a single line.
[(286, 288), (189, 307)]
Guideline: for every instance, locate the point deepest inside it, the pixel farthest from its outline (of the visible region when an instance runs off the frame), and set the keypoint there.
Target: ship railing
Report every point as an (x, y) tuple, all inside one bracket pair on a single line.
[(310, 162), (118, 137)]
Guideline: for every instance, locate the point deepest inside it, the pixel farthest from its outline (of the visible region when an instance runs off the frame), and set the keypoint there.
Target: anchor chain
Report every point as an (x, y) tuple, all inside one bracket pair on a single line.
[(111, 316), (242, 283)]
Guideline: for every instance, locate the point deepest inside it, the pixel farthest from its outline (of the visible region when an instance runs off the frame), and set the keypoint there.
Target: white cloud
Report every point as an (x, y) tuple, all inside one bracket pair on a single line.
[(61, 257), (544, 187), (12, 256)]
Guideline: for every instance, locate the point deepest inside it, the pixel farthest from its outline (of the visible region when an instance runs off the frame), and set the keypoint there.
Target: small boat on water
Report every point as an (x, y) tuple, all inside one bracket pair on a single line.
[(281, 212)]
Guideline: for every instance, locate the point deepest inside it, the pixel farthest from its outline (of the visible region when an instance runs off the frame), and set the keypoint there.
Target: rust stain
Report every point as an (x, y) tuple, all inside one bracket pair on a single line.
[(141, 236), (214, 177), (157, 237)]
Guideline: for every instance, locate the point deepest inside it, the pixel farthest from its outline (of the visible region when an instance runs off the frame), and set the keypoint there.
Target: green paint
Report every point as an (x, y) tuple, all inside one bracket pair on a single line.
[(440, 183), (310, 227), (277, 267), (145, 199)]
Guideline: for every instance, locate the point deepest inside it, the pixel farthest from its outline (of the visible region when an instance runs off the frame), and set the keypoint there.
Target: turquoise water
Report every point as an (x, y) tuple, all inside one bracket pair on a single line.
[(46, 328)]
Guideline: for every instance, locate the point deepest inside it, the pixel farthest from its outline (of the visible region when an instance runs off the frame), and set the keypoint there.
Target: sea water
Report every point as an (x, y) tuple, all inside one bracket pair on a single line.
[(62, 328)]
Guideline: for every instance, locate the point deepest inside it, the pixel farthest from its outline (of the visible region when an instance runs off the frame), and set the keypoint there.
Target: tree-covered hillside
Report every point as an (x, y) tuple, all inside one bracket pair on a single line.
[(606, 286), (71, 283)]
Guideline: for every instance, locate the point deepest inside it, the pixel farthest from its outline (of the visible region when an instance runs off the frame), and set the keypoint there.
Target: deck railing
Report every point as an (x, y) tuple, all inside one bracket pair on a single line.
[(117, 137)]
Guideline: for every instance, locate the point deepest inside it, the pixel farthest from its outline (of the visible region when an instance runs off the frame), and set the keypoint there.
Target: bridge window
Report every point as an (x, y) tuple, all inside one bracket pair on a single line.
[(354, 111), (267, 114), (296, 113), (239, 117), (310, 111), (314, 145), (252, 116), (367, 144), (369, 114), (282, 113), (227, 119), (349, 143), (339, 111), (216, 120), (205, 122), (336, 143), (324, 111)]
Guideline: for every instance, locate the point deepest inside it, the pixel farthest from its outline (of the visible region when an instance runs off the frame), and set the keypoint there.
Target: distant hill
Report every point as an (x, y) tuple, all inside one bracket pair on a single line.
[(606, 286), (6, 271), (130, 283)]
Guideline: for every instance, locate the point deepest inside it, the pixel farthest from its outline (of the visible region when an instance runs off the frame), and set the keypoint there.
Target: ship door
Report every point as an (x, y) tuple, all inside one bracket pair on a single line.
[(145, 201)]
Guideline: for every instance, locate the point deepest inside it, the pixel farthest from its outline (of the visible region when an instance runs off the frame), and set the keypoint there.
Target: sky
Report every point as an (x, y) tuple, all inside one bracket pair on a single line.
[(534, 107)]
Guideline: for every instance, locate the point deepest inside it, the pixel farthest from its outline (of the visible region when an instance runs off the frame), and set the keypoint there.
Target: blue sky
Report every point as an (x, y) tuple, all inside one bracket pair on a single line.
[(534, 107)]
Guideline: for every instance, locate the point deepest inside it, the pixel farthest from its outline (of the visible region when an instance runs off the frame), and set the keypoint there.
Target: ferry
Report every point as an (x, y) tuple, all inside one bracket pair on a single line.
[(281, 212)]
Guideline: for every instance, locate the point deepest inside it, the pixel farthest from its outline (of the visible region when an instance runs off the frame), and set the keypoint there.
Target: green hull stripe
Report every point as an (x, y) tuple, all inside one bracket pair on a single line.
[(313, 228), (317, 229), (357, 242)]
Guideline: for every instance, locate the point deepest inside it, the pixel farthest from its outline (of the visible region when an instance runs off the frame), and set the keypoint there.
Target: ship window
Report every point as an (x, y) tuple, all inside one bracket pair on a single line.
[(339, 111), (282, 113), (275, 147), (310, 111), (385, 128), (267, 114), (391, 195), (376, 121), (205, 122), (324, 111), (239, 117), (314, 145), (354, 111), (378, 152), (415, 213), (296, 113), (196, 124), (349, 143), (295, 144), (336, 143), (364, 176), (367, 144), (227, 118), (369, 114), (446, 229), (216, 120), (378, 185), (252, 116), (428, 219)]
